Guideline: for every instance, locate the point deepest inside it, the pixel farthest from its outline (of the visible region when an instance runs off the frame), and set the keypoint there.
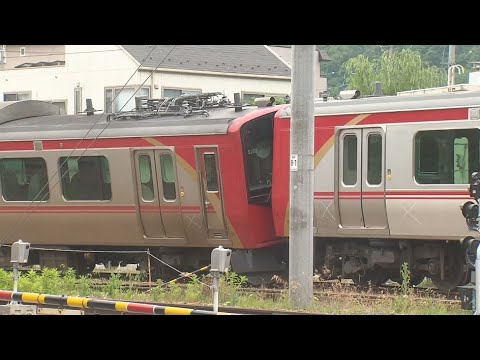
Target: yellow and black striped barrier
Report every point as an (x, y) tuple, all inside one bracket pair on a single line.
[(99, 304)]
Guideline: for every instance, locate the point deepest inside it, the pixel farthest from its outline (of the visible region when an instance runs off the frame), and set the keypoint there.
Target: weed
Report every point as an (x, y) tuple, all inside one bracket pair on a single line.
[(114, 286), (6, 280), (85, 285), (406, 279)]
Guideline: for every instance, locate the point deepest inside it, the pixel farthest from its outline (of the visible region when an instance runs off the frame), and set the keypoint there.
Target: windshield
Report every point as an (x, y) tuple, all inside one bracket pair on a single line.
[(257, 137)]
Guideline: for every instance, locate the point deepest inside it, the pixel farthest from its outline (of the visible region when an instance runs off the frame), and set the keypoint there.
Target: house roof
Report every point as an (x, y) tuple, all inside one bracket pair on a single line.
[(238, 59), (323, 54), (41, 63)]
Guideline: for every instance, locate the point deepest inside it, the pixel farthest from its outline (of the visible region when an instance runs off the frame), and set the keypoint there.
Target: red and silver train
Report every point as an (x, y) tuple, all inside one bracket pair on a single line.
[(390, 176)]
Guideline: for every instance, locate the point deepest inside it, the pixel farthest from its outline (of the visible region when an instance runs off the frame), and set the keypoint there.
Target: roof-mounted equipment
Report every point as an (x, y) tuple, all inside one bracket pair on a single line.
[(349, 94), (183, 105), (237, 103), (90, 110), (264, 101)]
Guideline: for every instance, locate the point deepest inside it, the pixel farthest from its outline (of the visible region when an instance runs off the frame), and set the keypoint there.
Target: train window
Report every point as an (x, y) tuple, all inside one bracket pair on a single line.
[(86, 178), (446, 156), (146, 180), (350, 159), (374, 163), (105, 169), (24, 179), (461, 166), (168, 177), (211, 172)]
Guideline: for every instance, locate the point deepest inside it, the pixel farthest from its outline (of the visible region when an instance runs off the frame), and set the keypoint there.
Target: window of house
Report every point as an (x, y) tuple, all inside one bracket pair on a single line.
[(22, 51), (446, 156), (168, 177), (24, 179), (85, 178), (17, 96), (250, 97), (117, 100), (62, 105), (170, 93)]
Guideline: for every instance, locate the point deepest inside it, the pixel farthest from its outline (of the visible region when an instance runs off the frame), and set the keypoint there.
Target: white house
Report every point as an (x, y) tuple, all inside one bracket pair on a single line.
[(69, 74), (320, 81)]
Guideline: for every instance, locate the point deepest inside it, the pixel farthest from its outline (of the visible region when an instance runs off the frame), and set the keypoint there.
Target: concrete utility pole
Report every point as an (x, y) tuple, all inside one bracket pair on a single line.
[(451, 62), (301, 177), (390, 50)]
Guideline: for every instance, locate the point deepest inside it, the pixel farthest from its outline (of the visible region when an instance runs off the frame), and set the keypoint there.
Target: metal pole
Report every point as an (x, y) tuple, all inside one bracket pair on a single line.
[(390, 50), (215, 292), (477, 282), (149, 269), (451, 62), (15, 279), (301, 177)]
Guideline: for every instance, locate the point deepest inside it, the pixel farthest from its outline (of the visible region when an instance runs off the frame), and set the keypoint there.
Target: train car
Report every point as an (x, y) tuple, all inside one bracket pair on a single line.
[(176, 186), (391, 174)]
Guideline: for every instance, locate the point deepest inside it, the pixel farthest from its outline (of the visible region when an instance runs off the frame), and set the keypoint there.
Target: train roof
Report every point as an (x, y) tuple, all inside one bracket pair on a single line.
[(14, 110), (393, 104), (45, 125)]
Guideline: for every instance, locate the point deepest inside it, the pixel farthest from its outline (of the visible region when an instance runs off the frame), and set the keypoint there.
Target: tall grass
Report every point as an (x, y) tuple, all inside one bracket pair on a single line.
[(198, 290)]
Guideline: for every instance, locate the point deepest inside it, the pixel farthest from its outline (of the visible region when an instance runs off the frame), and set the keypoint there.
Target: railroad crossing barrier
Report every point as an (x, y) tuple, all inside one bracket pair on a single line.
[(99, 304), (220, 262)]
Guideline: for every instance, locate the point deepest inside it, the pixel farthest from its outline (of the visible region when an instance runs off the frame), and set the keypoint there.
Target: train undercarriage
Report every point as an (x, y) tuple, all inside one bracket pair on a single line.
[(163, 263), (378, 261), (363, 261)]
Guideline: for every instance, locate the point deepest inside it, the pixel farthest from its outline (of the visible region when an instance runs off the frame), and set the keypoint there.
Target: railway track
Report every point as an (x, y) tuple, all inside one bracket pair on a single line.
[(356, 295), (323, 291), (329, 289)]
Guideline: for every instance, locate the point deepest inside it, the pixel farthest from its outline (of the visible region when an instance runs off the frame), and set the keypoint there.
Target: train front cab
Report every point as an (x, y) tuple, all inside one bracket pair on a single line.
[(265, 253)]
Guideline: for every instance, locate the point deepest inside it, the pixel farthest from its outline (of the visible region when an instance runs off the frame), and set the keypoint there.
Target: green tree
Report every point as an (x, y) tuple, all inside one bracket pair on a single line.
[(400, 71), (432, 55)]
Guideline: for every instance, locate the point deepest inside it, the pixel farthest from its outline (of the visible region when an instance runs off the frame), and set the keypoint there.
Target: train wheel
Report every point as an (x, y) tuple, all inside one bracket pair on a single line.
[(376, 277), (455, 273), (360, 280), (416, 280)]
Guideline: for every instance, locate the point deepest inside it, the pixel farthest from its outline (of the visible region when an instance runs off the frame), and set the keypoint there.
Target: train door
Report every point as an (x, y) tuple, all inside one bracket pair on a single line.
[(350, 178), (168, 193), (147, 191), (373, 182), (160, 210), (211, 189), (361, 183)]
